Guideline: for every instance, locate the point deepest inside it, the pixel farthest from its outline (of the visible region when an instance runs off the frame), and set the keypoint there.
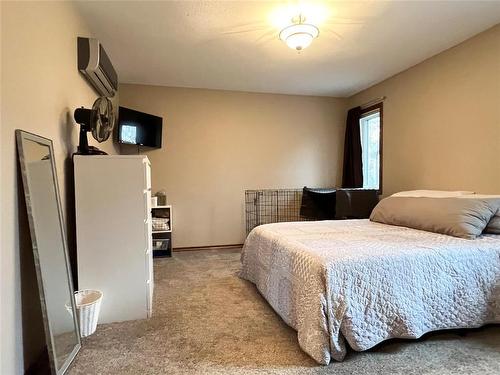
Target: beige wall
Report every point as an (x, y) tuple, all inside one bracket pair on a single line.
[(219, 143), (442, 120), (40, 89)]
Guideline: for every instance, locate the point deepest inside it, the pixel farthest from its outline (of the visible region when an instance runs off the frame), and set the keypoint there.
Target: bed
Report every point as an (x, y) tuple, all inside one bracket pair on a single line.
[(358, 283)]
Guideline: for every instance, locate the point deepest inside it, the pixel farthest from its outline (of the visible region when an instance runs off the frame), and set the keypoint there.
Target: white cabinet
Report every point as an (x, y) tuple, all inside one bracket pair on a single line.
[(113, 231)]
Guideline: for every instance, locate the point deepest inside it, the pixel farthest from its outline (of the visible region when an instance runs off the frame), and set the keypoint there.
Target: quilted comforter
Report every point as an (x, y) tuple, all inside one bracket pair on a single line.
[(361, 282)]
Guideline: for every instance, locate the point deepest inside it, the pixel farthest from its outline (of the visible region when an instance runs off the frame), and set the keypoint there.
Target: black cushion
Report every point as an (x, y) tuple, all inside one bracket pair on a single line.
[(318, 204), (355, 203)]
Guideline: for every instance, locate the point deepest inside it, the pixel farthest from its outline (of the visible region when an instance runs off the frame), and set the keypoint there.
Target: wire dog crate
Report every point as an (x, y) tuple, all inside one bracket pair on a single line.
[(272, 206)]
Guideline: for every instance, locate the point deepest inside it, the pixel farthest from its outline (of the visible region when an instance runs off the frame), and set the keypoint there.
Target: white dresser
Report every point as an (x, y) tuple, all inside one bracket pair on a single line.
[(113, 231)]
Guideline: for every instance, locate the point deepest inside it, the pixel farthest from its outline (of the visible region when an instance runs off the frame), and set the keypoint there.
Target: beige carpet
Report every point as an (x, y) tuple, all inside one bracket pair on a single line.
[(208, 321)]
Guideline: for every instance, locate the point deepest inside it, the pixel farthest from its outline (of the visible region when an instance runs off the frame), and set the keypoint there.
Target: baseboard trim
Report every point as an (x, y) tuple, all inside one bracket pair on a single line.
[(217, 247)]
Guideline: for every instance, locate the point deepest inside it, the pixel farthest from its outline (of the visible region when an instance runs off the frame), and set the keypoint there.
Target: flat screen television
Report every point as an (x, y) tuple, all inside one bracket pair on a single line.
[(139, 128)]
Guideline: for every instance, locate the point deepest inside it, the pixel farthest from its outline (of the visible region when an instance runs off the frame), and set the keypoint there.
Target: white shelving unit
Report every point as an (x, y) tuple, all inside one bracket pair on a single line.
[(162, 239)]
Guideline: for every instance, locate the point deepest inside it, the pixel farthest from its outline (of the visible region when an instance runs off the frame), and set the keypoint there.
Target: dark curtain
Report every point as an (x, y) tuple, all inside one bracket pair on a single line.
[(352, 176)]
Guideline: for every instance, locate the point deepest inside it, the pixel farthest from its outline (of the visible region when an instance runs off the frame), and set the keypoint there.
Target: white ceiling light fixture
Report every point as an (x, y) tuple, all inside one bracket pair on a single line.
[(299, 35)]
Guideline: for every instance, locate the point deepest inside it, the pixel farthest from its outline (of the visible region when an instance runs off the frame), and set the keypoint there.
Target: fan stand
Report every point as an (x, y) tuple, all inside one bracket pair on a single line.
[(82, 117)]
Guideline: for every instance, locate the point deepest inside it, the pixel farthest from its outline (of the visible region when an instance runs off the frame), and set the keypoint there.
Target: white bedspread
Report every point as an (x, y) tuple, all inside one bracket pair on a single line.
[(366, 282)]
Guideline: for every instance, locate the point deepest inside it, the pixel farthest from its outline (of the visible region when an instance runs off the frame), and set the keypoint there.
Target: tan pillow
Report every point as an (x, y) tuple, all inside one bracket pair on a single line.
[(465, 218), (493, 226)]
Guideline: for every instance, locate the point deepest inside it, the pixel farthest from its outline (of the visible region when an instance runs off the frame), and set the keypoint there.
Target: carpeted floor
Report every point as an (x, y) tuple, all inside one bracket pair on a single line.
[(208, 321)]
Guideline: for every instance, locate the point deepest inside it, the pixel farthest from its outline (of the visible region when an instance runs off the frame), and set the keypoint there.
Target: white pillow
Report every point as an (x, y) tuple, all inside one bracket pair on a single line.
[(432, 194)]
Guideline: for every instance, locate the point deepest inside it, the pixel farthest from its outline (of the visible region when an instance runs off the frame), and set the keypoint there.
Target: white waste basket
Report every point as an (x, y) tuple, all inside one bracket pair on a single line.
[(88, 305)]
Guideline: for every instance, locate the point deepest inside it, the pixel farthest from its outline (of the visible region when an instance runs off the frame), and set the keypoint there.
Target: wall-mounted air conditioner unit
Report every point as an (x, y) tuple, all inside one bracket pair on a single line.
[(95, 65)]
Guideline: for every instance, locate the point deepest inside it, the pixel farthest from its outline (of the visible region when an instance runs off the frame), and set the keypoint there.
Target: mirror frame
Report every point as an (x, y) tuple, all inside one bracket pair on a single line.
[(20, 136)]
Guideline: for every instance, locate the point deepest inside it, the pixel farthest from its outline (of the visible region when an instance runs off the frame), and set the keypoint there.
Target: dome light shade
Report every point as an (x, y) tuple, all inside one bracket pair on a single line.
[(299, 36), (299, 41)]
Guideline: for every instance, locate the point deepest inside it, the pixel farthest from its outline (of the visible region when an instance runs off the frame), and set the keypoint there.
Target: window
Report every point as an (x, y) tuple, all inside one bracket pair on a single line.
[(370, 125)]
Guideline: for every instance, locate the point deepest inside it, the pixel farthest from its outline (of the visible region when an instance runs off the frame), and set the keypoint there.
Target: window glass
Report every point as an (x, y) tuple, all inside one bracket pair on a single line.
[(370, 145)]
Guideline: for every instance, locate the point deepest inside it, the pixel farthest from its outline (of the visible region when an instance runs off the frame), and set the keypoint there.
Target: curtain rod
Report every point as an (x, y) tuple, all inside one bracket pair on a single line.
[(373, 102)]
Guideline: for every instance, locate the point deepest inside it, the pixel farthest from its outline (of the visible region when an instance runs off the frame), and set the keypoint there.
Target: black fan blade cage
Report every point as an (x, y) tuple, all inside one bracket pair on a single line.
[(102, 119)]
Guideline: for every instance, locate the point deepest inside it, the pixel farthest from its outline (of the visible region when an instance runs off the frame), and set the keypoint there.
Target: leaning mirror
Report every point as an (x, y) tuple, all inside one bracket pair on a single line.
[(36, 158)]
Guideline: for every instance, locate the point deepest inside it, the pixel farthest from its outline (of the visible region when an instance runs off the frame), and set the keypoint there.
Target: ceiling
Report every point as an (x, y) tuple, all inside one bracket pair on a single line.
[(234, 45)]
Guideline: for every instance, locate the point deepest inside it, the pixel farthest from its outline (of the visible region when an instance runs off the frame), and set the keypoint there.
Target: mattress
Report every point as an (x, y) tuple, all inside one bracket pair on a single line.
[(358, 283)]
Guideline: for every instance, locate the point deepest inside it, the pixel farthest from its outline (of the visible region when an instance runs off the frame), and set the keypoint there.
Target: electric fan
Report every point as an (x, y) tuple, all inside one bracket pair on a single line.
[(99, 120)]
